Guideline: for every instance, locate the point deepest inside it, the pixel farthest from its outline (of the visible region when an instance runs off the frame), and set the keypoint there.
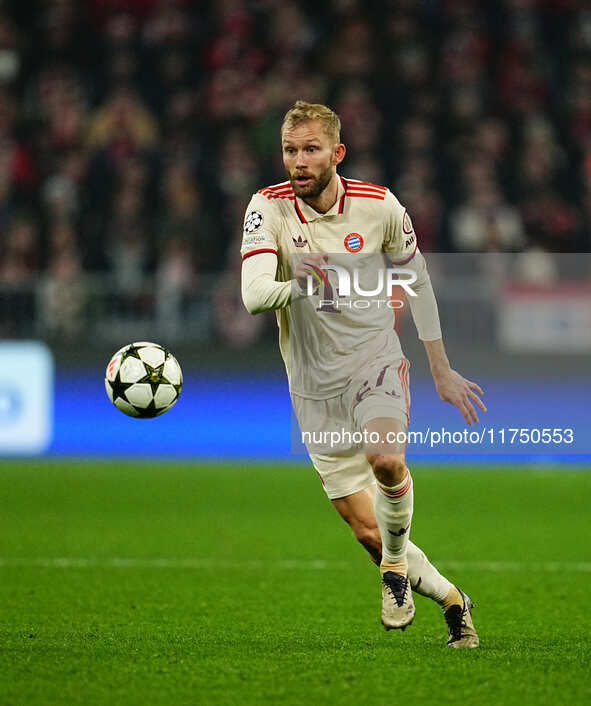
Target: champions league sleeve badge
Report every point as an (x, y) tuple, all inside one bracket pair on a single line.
[(253, 221)]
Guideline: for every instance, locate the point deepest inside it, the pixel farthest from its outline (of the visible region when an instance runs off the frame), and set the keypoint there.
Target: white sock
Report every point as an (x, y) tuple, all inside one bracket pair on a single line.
[(393, 511), (424, 577)]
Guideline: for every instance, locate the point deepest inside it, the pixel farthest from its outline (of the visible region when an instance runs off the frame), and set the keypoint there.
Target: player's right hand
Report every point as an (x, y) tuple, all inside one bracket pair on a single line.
[(306, 265)]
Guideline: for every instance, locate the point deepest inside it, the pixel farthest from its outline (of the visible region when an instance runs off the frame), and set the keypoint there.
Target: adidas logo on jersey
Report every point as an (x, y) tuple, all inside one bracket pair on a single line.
[(300, 242)]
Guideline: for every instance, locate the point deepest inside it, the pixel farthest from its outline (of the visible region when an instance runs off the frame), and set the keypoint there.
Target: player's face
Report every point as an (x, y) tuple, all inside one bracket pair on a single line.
[(309, 157)]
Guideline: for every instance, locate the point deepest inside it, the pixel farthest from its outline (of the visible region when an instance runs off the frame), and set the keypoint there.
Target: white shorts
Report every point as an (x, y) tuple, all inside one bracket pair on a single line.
[(332, 429)]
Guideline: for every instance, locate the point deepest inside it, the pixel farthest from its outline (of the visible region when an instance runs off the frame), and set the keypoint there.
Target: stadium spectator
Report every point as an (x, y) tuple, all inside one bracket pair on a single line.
[(122, 126), (485, 221), (64, 296), (175, 279), (129, 250), (184, 218), (20, 251)]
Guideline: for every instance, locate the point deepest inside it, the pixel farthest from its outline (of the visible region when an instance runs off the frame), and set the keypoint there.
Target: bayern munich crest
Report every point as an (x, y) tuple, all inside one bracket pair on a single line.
[(353, 242)]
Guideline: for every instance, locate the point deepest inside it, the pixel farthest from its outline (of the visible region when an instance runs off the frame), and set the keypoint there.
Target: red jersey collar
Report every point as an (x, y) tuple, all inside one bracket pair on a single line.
[(307, 214)]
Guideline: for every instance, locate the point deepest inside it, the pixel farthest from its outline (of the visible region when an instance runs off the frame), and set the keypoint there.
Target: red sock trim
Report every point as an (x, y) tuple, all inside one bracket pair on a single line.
[(400, 491)]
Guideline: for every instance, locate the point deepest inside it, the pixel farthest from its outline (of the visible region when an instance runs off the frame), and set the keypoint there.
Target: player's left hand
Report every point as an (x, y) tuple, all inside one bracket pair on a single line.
[(456, 390)]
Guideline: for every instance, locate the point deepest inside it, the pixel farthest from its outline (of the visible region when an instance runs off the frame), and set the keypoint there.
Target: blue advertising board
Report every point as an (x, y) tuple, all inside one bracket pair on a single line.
[(26, 397), (247, 415), (239, 415)]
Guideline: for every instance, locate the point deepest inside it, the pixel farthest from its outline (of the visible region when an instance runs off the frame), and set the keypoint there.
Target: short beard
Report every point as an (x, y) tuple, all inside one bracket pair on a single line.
[(315, 188)]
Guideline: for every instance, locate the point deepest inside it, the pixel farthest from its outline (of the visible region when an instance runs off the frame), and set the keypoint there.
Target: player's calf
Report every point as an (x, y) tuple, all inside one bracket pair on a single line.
[(370, 540), (357, 511)]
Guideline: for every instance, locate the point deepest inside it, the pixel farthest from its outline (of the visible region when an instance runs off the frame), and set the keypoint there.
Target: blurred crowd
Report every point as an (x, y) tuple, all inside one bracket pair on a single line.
[(133, 132)]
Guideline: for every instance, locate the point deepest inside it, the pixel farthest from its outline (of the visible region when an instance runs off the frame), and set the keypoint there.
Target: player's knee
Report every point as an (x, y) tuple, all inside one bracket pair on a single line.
[(389, 469)]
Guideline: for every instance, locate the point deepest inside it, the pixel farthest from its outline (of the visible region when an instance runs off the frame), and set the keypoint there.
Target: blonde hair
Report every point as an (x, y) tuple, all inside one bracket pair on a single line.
[(303, 112)]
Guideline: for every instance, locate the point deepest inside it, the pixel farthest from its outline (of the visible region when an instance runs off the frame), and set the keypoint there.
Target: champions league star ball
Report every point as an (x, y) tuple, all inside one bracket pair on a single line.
[(143, 380)]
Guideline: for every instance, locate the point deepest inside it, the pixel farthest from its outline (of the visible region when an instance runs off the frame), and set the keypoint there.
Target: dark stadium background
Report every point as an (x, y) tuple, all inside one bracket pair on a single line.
[(134, 132)]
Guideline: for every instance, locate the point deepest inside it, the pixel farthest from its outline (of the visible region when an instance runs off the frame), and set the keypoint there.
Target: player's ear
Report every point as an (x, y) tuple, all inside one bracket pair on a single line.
[(339, 153)]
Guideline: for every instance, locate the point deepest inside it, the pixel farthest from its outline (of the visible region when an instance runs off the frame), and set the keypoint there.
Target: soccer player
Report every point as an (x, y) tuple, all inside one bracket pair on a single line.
[(344, 364)]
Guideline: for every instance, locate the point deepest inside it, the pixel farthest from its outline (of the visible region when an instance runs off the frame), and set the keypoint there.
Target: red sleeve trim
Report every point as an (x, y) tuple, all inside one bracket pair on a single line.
[(256, 252), (358, 182), (365, 196), (371, 189), (408, 259)]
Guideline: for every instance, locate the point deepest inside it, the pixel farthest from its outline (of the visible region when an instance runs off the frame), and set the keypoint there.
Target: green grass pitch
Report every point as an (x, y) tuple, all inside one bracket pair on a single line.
[(178, 583)]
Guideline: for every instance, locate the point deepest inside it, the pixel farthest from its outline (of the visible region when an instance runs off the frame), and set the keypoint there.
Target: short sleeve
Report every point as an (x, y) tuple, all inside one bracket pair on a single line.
[(400, 240), (260, 232)]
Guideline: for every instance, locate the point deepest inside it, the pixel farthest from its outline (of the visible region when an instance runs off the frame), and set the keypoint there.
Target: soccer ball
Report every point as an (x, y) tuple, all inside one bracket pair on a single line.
[(143, 380)]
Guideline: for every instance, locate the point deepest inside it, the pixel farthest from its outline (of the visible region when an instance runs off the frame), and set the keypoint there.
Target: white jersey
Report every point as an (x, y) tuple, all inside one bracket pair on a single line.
[(324, 348)]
